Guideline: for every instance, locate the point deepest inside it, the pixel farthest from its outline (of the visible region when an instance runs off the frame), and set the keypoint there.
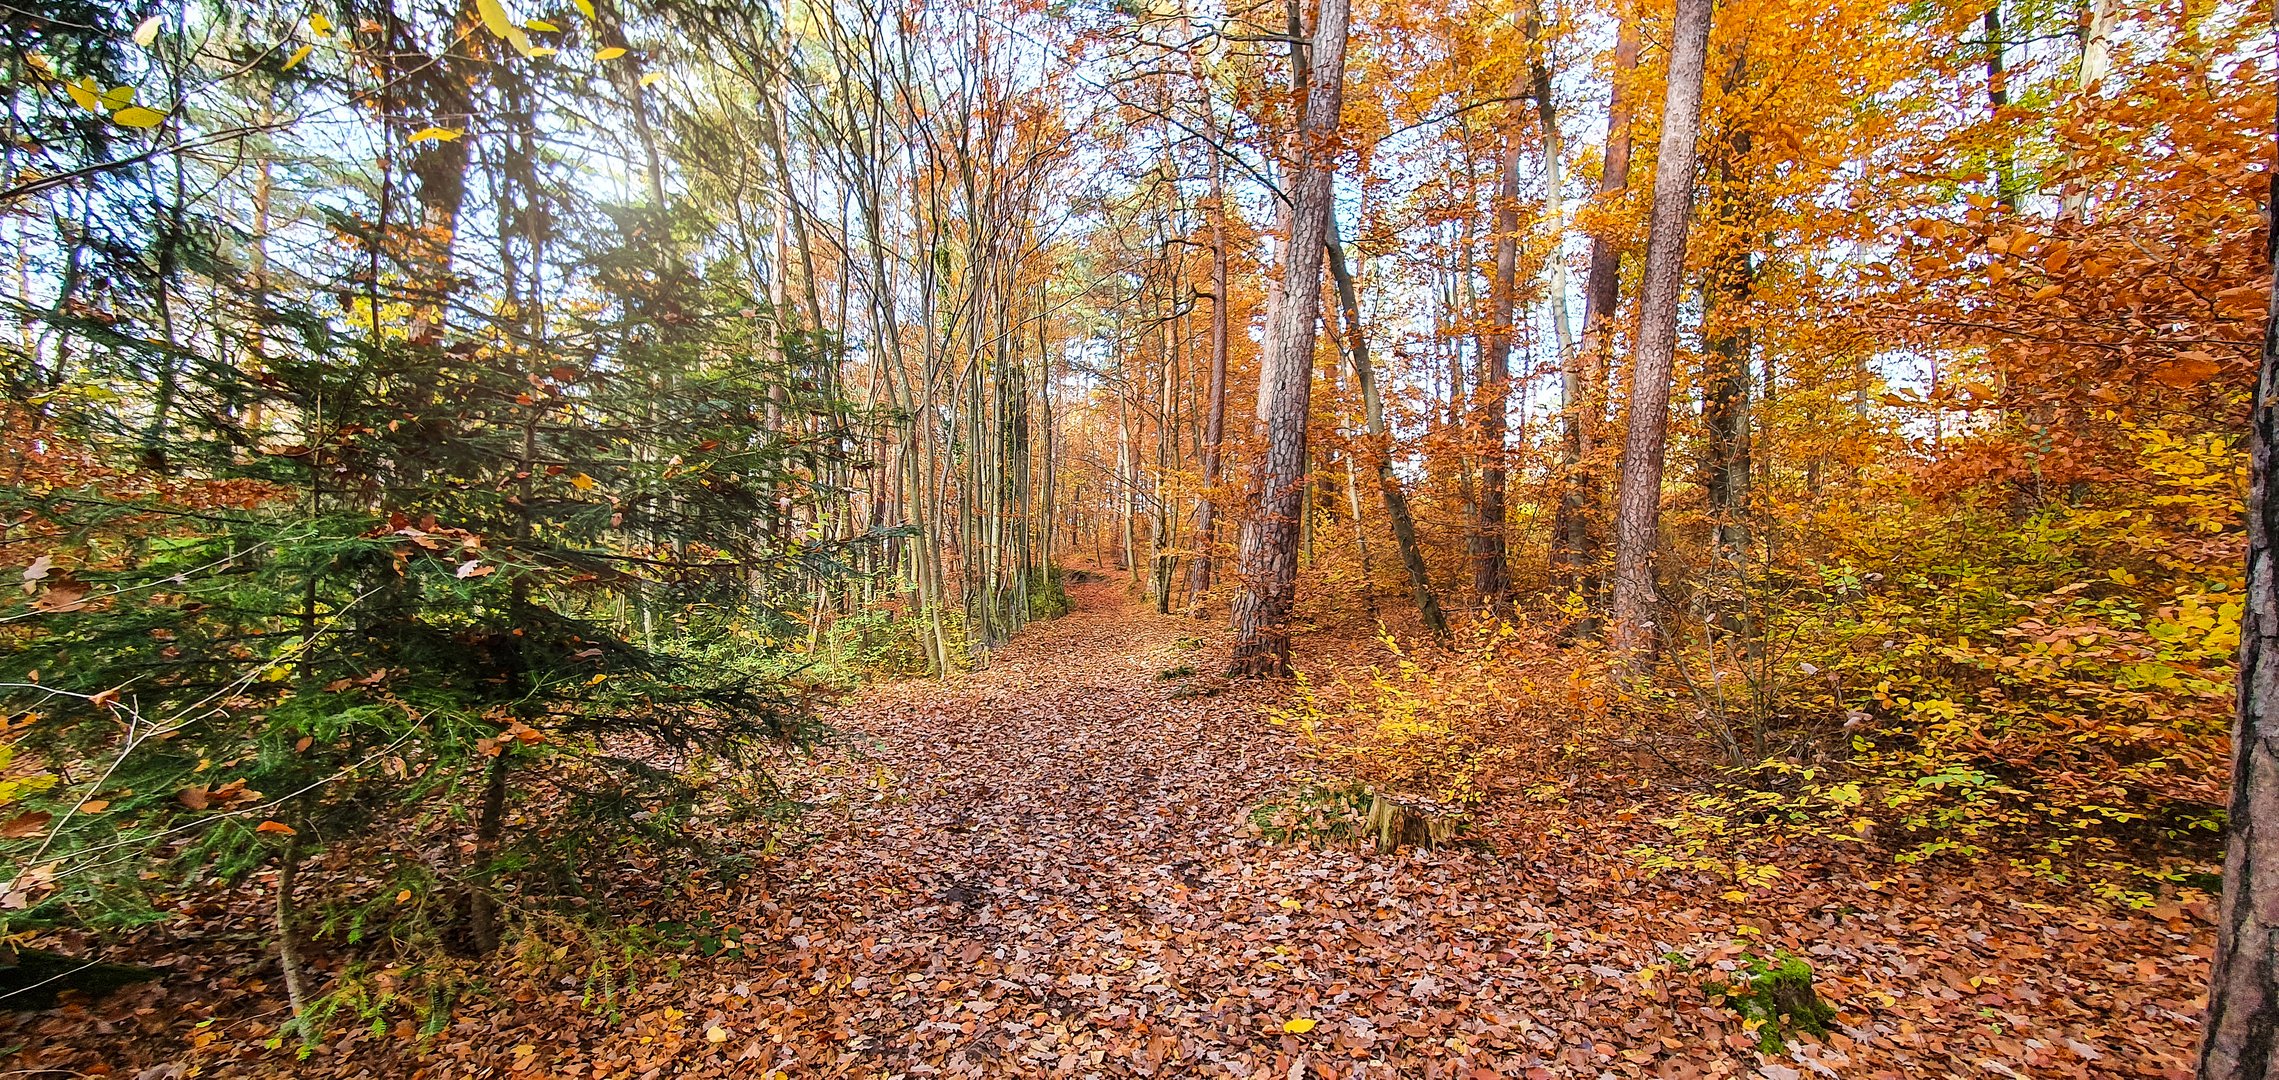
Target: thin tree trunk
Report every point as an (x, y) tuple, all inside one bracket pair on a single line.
[(1638, 508), (1380, 445), (1270, 546), (1575, 543), (1997, 99), (1491, 575), (1215, 416)]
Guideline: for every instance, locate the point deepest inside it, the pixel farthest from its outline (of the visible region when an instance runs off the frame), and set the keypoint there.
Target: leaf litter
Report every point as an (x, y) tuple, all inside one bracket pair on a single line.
[(1041, 869)]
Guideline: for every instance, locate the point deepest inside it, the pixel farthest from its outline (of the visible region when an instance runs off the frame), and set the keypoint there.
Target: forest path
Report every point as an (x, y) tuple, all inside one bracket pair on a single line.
[(1037, 869)]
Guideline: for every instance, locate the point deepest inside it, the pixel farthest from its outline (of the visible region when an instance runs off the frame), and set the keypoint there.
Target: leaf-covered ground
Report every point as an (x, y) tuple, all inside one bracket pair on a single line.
[(1040, 870)]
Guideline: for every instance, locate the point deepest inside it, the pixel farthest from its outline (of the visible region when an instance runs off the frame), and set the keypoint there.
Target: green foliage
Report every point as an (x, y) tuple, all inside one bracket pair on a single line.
[(1776, 996)]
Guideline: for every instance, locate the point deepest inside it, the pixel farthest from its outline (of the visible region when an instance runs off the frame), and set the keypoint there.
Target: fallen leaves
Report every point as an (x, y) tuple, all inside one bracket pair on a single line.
[(1034, 871)]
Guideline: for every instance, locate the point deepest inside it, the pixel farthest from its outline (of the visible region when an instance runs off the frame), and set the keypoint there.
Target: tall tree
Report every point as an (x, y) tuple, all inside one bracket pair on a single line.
[(1638, 508), (1269, 559)]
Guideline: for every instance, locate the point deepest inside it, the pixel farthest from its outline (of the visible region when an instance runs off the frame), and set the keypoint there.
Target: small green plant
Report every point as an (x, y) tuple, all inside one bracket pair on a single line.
[(1179, 671), (1775, 997)]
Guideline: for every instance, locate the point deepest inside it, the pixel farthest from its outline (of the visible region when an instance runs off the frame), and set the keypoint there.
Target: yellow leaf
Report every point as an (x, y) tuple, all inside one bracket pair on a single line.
[(542, 26), (83, 94), (147, 32), (585, 7), (651, 78), (495, 18), (135, 116), (434, 133), (715, 1034), (1299, 1025), (118, 97), (611, 53), (540, 51), (582, 482), (1735, 895), (319, 25), (294, 60)]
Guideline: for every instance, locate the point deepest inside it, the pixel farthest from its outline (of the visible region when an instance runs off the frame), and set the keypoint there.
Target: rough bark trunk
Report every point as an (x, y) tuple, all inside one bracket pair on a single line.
[(2242, 1027), (1638, 508), (1269, 562)]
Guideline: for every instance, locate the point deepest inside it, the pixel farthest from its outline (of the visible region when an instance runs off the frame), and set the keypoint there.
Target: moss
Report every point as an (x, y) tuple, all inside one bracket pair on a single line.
[(1779, 994)]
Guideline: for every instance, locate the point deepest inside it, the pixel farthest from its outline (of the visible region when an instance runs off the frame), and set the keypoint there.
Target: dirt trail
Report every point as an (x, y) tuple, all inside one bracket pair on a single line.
[(1052, 881)]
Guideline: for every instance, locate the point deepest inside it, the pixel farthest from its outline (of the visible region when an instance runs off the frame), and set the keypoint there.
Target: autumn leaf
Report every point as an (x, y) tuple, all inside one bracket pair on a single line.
[(472, 568), (299, 55), (147, 31), (63, 594), (276, 827), (431, 134), (611, 53), (194, 797), (495, 18), (135, 116), (26, 824), (37, 572), (541, 25), (651, 78), (582, 482)]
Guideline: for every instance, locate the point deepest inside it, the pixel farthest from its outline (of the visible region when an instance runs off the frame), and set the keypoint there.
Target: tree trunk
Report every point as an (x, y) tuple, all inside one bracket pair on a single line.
[(1215, 417), (1269, 563), (1638, 509), (1491, 574), (1381, 446), (1575, 540), (2242, 1040)]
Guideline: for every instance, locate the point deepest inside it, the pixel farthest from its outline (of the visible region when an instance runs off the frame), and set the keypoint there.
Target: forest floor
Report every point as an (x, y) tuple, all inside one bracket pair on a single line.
[(1040, 869)]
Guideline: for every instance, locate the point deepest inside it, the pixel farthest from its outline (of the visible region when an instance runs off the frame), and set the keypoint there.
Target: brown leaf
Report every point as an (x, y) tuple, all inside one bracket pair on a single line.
[(26, 824)]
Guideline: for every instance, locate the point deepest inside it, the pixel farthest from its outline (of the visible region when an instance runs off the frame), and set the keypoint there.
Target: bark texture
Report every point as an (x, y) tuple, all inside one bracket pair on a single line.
[(1638, 509), (1269, 563)]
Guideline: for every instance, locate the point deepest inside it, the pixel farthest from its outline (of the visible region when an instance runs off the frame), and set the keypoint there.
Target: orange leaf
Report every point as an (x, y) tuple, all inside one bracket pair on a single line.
[(277, 827)]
